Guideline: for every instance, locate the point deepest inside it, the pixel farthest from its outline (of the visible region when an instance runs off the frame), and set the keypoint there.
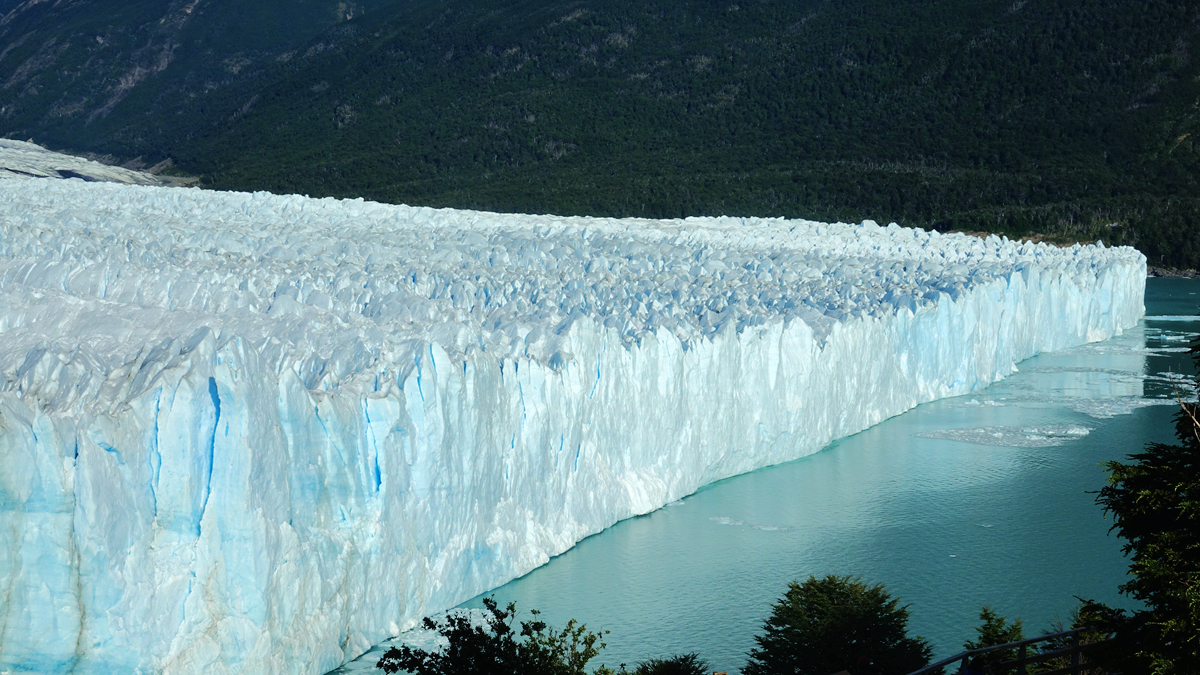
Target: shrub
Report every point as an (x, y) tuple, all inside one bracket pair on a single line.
[(493, 648), (827, 625), (680, 664)]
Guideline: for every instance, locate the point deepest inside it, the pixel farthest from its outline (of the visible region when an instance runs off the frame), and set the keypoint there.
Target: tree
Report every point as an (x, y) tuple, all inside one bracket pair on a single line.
[(493, 648), (680, 664), (1102, 628), (1155, 504), (827, 625), (995, 630)]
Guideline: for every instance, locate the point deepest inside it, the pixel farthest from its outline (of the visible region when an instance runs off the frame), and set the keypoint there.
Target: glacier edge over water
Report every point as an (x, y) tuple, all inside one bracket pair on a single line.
[(224, 452)]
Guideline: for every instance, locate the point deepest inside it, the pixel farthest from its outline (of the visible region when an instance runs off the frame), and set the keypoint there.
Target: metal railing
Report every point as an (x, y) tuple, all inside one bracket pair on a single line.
[(1072, 654)]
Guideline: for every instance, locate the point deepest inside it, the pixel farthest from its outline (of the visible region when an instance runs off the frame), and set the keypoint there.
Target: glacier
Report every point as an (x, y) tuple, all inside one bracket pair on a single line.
[(22, 159), (249, 433)]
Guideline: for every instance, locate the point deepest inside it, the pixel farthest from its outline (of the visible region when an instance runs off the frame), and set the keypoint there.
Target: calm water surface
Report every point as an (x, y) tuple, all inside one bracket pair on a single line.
[(980, 499)]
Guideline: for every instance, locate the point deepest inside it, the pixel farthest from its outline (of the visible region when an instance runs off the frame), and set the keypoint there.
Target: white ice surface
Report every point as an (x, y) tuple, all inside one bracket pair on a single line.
[(258, 434), (19, 159)]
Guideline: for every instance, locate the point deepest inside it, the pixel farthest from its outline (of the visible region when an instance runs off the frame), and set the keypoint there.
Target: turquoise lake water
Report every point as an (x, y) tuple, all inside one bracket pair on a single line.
[(980, 499)]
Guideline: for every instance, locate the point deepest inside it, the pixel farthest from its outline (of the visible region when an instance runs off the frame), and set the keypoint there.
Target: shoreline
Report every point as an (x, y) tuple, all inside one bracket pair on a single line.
[(1170, 272)]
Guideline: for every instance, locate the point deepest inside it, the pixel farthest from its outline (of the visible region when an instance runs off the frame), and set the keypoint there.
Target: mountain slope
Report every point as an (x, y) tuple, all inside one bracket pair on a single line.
[(1067, 119), (68, 69)]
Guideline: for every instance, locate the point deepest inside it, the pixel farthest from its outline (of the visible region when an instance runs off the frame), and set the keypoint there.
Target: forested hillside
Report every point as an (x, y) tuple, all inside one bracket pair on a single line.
[(75, 72), (1071, 119)]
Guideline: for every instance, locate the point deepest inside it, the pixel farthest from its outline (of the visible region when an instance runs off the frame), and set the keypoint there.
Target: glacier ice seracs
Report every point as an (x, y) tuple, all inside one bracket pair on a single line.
[(246, 433)]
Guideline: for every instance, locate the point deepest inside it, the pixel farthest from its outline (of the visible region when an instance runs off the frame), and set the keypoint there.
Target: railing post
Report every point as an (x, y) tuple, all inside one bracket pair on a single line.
[(1075, 654), (1077, 663)]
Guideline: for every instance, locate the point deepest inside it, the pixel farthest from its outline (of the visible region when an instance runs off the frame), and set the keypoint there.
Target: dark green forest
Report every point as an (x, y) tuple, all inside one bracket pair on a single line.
[(1068, 120)]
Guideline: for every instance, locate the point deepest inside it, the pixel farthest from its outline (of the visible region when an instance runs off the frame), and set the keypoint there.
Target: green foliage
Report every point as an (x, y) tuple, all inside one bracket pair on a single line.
[(827, 625), (1105, 628), (1154, 500), (995, 630), (680, 664), (494, 648)]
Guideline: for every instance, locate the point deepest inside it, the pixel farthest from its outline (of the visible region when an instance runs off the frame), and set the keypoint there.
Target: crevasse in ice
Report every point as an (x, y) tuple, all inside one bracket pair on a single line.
[(246, 433)]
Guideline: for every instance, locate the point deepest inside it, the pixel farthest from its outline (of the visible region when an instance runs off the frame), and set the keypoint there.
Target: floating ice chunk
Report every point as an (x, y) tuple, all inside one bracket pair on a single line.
[(725, 520), (1014, 437), (1106, 408), (976, 403)]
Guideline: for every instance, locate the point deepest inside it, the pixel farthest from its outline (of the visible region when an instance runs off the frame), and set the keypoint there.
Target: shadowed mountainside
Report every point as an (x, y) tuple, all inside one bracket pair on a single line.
[(1070, 120)]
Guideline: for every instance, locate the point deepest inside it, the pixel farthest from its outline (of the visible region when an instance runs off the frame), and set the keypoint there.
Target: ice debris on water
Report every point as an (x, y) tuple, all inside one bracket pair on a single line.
[(247, 433), (1044, 436)]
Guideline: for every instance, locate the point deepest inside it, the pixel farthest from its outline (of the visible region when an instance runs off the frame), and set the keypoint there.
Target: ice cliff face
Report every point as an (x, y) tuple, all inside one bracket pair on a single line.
[(257, 434)]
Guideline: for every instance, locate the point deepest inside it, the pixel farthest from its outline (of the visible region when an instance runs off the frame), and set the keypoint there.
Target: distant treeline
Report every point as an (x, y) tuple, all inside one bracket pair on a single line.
[(1071, 119)]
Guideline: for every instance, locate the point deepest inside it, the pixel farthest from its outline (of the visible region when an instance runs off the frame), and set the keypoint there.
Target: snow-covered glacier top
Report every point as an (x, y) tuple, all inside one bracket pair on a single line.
[(338, 291)]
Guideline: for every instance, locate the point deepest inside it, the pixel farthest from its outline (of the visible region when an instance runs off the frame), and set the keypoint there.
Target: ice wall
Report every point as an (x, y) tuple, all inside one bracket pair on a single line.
[(257, 434)]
